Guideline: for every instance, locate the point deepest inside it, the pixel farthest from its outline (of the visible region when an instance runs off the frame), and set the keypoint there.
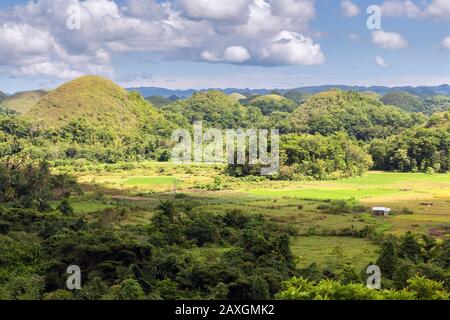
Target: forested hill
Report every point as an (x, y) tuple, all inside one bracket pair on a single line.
[(361, 116), (328, 135)]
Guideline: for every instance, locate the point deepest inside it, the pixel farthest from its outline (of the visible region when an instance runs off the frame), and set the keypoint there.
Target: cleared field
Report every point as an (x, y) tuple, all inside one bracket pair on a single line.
[(323, 194), (280, 200), (427, 197), (294, 204), (137, 181), (85, 206), (332, 250)]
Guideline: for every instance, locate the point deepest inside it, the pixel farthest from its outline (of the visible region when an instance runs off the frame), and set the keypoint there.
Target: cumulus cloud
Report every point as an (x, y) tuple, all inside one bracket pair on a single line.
[(434, 9), (298, 9), (55, 70), (233, 54), (389, 40), (219, 10), (379, 61), (290, 48), (23, 44), (349, 9), (445, 44), (438, 9), (36, 41), (209, 56), (398, 8), (236, 54)]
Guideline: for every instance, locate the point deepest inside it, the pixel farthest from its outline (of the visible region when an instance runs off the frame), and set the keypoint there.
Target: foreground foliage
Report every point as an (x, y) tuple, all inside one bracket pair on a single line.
[(419, 288)]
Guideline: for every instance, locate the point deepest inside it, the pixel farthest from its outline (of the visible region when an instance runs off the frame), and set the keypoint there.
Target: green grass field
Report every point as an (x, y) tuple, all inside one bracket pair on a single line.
[(323, 194), (151, 181), (142, 186), (323, 250)]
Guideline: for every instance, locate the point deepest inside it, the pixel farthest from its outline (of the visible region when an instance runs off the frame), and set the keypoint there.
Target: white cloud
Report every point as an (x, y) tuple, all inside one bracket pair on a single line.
[(23, 44), (35, 39), (219, 10), (299, 9), (55, 70), (233, 54), (438, 9), (446, 43), (349, 9), (398, 8), (209, 56), (389, 40), (290, 48), (266, 18), (434, 9), (236, 54), (379, 61)]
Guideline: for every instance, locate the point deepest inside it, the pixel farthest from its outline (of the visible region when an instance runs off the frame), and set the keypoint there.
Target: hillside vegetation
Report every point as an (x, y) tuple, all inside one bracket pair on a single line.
[(361, 116), (97, 100), (86, 180), (237, 96), (404, 101), (273, 103), (215, 109), (426, 148), (408, 102), (22, 102), (90, 118), (331, 135)]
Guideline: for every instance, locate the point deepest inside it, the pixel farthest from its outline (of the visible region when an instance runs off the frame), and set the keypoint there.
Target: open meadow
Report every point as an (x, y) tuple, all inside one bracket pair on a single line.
[(420, 204)]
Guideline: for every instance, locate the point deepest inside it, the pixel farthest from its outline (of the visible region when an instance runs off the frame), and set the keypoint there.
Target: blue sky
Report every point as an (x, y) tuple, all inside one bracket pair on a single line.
[(234, 43)]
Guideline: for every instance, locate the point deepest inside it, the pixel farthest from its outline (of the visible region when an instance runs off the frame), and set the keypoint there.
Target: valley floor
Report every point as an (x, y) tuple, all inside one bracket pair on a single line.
[(420, 203)]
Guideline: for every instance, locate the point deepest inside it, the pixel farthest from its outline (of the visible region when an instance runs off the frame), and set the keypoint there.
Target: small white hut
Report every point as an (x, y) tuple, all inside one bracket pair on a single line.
[(381, 211)]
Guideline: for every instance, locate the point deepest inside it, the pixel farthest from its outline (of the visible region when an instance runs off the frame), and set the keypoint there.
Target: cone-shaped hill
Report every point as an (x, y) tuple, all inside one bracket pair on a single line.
[(21, 102), (268, 98), (97, 101)]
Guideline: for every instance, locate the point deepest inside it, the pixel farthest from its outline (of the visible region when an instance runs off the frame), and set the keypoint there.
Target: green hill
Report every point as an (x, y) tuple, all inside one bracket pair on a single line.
[(2, 96), (215, 109), (436, 104), (273, 102), (439, 120), (403, 100), (23, 101), (425, 148), (237, 96), (96, 100), (158, 101), (359, 115), (268, 98)]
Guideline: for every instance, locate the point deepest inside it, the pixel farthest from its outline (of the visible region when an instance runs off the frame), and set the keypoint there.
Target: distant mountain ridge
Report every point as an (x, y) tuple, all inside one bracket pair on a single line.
[(3, 96), (422, 91)]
